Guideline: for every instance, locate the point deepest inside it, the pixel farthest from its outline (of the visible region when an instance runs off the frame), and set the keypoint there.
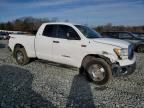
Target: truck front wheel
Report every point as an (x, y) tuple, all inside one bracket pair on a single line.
[(21, 56), (98, 71)]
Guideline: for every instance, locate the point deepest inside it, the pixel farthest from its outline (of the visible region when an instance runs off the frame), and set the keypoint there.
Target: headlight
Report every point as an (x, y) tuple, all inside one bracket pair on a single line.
[(122, 53)]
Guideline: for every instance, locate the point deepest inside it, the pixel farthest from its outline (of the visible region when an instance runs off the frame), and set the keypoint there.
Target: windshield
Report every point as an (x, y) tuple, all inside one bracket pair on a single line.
[(87, 32)]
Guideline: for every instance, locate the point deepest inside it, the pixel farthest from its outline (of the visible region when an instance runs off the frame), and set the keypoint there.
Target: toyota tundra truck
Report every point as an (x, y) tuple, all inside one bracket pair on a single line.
[(78, 46)]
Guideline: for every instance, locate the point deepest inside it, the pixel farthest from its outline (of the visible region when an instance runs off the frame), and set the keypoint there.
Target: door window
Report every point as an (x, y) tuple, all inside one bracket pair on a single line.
[(64, 31)]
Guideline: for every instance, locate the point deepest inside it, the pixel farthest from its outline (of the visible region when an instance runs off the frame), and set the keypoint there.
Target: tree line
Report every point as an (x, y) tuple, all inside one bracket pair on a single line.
[(109, 27), (25, 24), (31, 25)]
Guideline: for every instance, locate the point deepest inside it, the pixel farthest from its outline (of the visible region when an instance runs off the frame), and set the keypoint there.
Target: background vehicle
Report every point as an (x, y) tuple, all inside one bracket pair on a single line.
[(140, 34), (4, 36), (137, 40), (78, 46)]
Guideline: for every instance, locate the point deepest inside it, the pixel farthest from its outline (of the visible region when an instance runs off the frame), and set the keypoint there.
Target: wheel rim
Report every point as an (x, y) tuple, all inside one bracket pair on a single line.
[(20, 56), (97, 72)]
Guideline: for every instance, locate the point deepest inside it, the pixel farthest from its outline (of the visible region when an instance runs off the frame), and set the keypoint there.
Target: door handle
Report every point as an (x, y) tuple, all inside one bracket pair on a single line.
[(56, 42)]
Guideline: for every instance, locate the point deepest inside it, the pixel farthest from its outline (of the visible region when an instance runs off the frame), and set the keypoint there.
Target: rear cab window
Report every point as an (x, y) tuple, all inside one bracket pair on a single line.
[(49, 31)]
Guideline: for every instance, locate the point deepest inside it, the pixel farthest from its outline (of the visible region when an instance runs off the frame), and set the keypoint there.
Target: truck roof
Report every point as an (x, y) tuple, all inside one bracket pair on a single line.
[(64, 23)]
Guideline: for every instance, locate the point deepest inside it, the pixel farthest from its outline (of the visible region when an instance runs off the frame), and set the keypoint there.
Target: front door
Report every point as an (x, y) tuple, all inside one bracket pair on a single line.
[(66, 50)]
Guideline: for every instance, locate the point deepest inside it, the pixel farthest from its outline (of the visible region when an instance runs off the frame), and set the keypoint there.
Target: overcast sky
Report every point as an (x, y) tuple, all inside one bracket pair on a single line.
[(92, 12)]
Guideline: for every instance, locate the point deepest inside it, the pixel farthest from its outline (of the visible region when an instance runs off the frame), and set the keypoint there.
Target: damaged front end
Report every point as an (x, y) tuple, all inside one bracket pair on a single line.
[(118, 70)]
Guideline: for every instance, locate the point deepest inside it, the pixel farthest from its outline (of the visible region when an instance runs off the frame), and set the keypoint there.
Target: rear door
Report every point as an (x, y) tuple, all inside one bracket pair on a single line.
[(44, 43)]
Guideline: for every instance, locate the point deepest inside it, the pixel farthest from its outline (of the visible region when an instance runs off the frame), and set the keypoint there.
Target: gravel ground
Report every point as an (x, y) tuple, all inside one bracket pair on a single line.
[(46, 85)]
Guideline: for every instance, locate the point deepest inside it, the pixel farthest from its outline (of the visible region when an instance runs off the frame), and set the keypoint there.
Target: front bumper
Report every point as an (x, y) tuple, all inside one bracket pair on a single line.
[(118, 70)]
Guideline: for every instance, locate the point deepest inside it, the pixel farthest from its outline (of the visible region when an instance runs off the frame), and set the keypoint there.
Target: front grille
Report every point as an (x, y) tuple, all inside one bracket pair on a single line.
[(130, 51)]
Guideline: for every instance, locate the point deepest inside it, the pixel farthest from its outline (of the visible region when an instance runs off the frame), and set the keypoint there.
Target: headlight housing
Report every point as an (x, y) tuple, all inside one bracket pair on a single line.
[(122, 53)]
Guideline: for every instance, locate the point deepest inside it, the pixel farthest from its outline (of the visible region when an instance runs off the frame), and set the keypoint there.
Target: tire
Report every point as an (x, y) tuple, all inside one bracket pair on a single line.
[(140, 49), (102, 73), (21, 56)]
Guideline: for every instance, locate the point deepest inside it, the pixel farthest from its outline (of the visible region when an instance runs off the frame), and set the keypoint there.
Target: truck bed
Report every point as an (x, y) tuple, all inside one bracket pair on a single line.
[(28, 41)]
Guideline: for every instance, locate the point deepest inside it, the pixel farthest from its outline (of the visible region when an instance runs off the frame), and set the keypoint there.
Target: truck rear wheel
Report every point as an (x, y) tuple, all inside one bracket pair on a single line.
[(21, 56), (98, 71)]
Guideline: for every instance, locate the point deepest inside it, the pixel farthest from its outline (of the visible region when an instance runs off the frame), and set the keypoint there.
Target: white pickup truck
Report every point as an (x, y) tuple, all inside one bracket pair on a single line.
[(79, 46)]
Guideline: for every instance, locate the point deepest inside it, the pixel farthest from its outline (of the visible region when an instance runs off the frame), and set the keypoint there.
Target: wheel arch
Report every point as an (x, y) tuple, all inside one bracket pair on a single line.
[(86, 58), (17, 46)]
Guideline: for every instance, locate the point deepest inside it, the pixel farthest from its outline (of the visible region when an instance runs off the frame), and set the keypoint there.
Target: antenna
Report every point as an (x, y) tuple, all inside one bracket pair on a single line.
[(86, 24)]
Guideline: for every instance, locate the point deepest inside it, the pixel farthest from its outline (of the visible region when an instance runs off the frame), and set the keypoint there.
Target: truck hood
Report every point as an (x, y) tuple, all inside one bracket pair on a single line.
[(113, 42)]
